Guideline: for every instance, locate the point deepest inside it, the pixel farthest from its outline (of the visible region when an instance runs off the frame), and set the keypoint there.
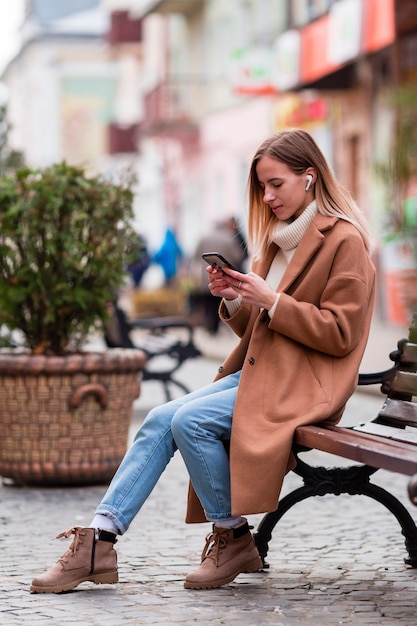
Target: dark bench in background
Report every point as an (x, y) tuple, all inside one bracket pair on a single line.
[(389, 442), (167, 342)]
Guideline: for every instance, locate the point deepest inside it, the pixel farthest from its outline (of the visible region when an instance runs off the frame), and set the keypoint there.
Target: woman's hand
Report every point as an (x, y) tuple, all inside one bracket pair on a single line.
[(218, 284), (229, 284)]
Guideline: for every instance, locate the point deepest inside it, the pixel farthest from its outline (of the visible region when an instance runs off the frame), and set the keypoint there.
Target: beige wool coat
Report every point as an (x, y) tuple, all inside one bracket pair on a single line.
[(301, 366)]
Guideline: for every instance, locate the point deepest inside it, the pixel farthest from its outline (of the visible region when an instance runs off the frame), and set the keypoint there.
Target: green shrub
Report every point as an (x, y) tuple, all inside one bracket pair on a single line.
[(65, 238)]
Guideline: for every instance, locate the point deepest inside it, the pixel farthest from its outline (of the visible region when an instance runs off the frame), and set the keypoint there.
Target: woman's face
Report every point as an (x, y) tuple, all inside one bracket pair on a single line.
[(284, 191)]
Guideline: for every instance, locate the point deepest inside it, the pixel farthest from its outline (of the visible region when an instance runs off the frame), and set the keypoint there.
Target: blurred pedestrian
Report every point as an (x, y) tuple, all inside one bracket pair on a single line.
[(168, 257), (138, 267), (302, 315)]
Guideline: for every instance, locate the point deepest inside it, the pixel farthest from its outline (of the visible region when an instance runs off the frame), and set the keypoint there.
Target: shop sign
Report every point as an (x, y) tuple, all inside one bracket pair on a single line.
[(286, 60), (315, 61), (252, 71), (379, 26), (345, 34), (293, 111)]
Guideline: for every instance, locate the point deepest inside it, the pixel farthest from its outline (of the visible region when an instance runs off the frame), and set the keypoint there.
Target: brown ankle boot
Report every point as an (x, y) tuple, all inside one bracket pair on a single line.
[(91, 557), (227, 553)]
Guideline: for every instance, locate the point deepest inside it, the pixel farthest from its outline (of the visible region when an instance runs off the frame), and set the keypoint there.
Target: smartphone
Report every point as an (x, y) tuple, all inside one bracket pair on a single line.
[(216, 260)]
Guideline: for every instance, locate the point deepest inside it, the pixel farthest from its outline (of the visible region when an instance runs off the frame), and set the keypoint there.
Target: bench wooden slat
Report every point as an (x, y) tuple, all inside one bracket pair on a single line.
[(399, 411), (412, 336), (405, 382), (371, 450), (389, 432)]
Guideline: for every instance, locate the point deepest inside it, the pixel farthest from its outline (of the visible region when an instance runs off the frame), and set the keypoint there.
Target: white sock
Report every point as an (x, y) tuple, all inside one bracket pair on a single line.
[(230, 522), (104, 523)]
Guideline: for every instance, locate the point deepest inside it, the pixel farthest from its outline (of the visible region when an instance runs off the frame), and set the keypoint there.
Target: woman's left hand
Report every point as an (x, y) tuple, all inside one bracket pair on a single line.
[(253, 289)]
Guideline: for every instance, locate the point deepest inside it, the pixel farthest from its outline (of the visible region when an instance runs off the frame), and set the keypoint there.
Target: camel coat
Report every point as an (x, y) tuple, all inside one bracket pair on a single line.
[(301, 366)]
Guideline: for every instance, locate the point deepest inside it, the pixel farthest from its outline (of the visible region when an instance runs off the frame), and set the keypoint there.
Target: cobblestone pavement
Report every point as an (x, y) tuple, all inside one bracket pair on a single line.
[(333, 560)]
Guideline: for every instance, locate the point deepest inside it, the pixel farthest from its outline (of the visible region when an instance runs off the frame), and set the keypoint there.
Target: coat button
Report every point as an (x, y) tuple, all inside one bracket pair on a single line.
[(251, 361), (221, 368)]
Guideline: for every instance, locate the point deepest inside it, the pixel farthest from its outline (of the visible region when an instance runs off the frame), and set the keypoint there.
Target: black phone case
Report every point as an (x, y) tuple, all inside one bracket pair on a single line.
[(217, 260)]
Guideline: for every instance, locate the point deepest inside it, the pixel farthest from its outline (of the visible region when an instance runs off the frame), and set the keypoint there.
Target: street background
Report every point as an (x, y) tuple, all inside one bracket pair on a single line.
[(333, 560)]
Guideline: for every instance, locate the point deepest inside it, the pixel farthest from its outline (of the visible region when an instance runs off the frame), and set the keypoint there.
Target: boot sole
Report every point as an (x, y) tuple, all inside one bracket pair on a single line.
[(252, 566), (99, 579)]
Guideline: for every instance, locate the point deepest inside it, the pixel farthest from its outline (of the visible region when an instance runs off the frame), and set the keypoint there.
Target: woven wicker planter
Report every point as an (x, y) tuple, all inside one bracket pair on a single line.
[(65, 420)]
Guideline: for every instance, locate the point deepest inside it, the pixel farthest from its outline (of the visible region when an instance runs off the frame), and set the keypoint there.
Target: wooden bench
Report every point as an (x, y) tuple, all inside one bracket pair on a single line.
[(167, 342), (389, 442)]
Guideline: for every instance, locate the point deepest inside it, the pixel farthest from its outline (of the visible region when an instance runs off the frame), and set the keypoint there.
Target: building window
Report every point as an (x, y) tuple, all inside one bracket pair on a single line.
[(124, 29), (302, 12), (269, 19)]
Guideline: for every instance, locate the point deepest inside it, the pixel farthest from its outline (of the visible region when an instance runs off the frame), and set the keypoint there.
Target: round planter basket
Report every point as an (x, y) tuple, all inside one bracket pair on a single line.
[(65, 420)]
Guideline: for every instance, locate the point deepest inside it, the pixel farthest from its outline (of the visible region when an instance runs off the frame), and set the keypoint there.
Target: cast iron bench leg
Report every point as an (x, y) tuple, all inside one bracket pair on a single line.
[(175, 383), (353, 480)]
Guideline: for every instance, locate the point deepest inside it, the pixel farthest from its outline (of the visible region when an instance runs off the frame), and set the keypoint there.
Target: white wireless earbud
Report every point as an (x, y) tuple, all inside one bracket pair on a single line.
[(309, 181)]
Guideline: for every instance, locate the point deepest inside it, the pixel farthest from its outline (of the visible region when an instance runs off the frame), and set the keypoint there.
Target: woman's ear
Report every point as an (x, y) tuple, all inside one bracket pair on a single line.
[(310, 178)]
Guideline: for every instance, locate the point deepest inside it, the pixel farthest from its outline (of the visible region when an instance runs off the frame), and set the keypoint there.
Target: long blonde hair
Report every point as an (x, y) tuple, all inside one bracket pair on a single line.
[(298, 150)]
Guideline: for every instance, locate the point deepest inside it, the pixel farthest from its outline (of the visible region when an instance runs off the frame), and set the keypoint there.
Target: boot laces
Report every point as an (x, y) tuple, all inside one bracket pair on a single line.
[(214, 542), (77, 532)]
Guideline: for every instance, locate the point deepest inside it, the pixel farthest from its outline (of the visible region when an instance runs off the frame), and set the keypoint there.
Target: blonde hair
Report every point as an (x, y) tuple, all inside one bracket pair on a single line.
[(298, 150)]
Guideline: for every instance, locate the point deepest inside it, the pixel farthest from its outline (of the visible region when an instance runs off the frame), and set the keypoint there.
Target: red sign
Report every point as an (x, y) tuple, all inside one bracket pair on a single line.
[(379, 24), (315, 61)]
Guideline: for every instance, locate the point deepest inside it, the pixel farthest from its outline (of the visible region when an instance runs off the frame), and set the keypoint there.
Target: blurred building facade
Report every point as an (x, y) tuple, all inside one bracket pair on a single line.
[(185, 90)]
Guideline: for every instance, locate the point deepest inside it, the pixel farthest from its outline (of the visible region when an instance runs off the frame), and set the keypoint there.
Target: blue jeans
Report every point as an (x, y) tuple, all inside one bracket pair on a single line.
[(196, 424)]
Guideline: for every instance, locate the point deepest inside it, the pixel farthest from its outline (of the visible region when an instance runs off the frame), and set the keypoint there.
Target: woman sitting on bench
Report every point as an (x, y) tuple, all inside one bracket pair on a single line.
[(303, 315)]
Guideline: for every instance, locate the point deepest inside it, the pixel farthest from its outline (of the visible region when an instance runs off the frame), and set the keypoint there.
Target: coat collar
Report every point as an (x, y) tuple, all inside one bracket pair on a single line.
[(309, 244)]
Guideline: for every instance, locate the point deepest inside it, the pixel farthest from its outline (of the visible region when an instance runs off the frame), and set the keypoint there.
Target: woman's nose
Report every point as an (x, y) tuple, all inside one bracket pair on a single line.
[(268, 196)]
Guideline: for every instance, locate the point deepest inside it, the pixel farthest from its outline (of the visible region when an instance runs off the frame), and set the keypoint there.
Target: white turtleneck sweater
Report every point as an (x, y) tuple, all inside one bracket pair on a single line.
[(287, 236)]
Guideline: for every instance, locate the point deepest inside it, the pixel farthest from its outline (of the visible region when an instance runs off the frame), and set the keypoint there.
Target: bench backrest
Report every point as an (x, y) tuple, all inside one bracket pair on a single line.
[(400, 407)]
